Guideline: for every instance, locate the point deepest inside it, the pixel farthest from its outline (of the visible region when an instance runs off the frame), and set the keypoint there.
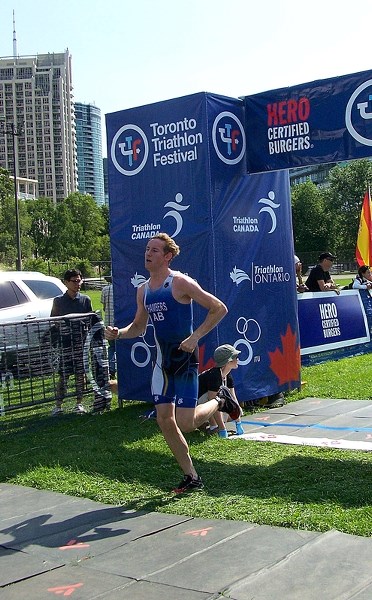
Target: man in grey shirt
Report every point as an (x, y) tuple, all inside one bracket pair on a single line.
[(71, 302)]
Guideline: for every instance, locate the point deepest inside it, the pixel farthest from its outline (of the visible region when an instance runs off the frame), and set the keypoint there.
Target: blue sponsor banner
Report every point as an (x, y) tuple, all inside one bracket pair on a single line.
[(333, 327), (179, 166), (323, 121), (255, 268)]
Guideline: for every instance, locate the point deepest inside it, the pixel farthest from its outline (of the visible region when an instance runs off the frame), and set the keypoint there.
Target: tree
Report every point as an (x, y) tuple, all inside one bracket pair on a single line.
[(6, 185), (62, 237), (88, 225), (106, 219), (343, 201), (42, 215), (8, 222), (310, 220)]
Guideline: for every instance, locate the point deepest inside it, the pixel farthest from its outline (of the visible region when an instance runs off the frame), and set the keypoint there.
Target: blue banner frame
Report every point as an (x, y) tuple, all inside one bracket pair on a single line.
[(179, 166)]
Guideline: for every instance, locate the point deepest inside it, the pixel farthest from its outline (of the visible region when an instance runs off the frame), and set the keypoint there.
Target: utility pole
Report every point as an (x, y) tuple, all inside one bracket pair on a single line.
[(9, 128)]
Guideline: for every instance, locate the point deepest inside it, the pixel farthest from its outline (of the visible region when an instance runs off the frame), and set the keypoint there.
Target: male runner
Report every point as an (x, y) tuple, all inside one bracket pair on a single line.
[(166, 298)]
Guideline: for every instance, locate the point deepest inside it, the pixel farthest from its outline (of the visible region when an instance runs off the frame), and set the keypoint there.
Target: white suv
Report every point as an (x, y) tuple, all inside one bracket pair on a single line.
[(25, 297)]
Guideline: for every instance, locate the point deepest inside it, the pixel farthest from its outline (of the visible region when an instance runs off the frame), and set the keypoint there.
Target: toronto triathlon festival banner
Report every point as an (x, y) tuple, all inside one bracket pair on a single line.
[(324, 121), (179, 166)]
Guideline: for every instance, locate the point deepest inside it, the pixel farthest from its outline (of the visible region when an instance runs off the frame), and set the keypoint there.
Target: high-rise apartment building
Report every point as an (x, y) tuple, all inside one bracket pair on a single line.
[(36, 92), (89, 151), (105, 180)]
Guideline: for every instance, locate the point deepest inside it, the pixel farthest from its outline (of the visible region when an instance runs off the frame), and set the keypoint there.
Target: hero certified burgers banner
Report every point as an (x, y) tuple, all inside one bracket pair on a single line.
[(324, 121), (179, 166)]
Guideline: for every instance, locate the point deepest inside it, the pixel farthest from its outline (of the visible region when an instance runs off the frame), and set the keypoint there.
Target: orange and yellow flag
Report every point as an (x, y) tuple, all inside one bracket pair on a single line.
[(364, 241)]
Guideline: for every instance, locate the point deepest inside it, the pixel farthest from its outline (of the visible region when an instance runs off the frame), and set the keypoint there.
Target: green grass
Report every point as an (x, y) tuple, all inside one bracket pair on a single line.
[(116, 458), (95, 296), (344, 281)]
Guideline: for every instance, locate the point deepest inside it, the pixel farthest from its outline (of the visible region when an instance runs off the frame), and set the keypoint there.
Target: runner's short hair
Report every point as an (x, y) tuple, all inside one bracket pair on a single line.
[(170, 244)]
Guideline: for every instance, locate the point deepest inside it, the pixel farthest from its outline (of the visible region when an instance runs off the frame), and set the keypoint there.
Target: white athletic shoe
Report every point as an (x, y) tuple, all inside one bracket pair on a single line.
[(79, 410)]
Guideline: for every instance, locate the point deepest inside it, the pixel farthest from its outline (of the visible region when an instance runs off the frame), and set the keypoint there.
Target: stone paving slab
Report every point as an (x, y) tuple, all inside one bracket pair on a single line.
[(334, 566), (16, 566), (324, 406), (214, 568), (85, 543), (76, 582), (142, 558)]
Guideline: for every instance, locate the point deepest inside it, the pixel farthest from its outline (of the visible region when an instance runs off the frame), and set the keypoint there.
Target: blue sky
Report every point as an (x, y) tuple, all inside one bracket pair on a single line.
[(129, 53)]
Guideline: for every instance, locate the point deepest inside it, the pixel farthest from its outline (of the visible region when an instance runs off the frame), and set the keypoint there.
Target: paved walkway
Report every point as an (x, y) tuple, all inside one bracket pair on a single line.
[(53, 545)]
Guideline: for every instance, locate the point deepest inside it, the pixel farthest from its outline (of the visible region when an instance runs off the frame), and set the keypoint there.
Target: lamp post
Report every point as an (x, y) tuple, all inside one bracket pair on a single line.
[(9, 128)]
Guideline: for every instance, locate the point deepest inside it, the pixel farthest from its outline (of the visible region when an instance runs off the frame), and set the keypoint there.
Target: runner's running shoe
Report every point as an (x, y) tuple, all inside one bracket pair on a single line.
[(189, 484)]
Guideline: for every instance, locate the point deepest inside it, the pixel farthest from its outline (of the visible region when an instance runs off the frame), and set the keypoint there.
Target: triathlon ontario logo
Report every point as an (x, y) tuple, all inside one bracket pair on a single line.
[(238, 275), (358, 114), (129, 150), (228, 138)]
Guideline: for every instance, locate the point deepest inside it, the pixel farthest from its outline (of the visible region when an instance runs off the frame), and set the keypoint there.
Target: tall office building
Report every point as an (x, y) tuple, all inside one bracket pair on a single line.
[(36, 92), (318, 174), (89, 151)]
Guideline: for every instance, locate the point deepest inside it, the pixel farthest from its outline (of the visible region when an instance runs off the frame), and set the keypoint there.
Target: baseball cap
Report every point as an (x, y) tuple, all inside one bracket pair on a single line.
[(296, 259), (327, 255), (224, 354)]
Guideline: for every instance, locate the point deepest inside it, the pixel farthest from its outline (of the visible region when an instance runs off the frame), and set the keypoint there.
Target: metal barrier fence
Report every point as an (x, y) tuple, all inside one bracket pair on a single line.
[(54, 359)]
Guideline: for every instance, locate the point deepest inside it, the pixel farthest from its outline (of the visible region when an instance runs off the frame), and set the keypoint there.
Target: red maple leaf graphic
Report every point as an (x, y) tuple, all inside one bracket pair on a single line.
[(286, 365), (204, 366)]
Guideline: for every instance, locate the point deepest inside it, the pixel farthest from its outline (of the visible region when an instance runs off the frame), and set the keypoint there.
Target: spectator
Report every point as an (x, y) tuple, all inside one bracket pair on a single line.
[(71, 302), (107, 299), (363, 281), (319, 279), (300, 286), (226, 359)]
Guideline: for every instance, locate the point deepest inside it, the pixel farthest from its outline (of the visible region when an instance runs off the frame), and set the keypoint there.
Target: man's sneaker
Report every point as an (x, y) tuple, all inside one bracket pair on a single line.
[(239, 429), (189, 484), (228, 404), (79, 410), (57, 410), (275, 401)]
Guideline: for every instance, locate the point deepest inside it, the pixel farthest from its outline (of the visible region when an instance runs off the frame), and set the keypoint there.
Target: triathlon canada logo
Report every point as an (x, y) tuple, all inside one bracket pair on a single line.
[(173, 217), (129, 150), (253, 224), (358, 114), (175, 213), (228, 138)]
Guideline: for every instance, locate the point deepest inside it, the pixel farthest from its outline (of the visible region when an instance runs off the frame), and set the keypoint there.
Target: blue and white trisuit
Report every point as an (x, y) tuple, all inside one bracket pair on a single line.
[(175, 374)]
